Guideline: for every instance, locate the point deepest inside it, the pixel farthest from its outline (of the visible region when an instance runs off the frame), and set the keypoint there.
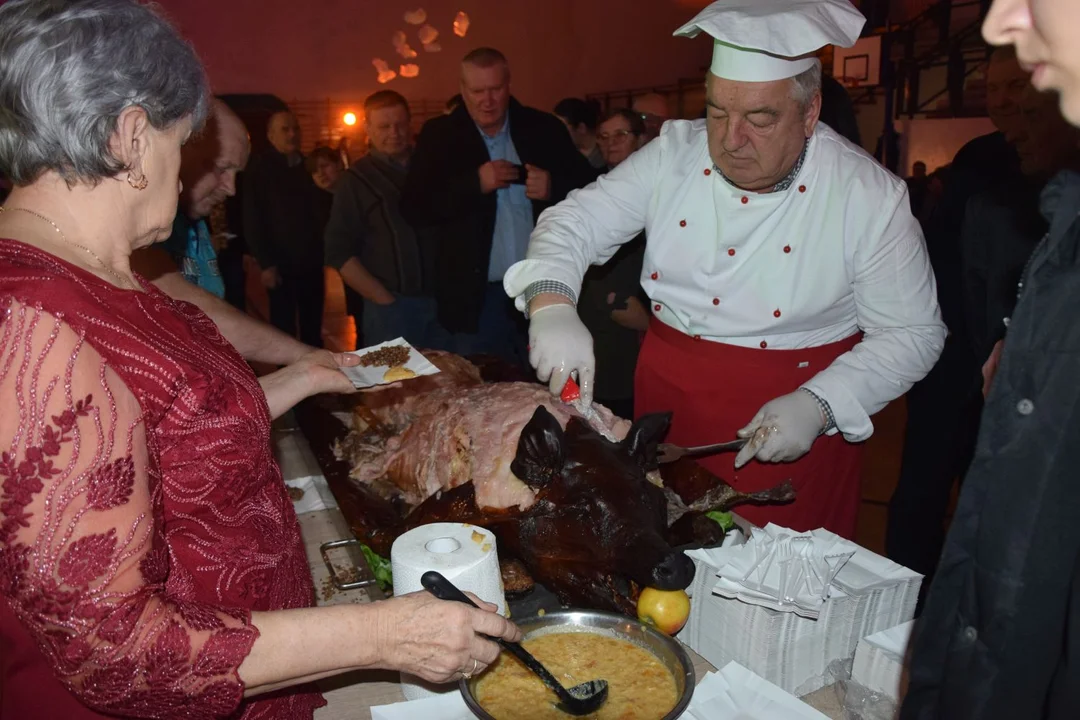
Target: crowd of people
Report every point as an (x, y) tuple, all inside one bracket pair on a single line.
[(754, 271)]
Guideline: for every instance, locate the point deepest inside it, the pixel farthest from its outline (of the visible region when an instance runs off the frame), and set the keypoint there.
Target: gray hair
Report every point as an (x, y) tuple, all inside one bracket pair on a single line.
[(68, 68), (806, 85)]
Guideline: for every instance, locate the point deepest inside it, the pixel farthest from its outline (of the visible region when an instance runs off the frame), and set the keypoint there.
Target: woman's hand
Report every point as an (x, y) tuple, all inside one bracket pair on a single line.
[(323, 369), (270, 278), (439, 640), (316, 372)]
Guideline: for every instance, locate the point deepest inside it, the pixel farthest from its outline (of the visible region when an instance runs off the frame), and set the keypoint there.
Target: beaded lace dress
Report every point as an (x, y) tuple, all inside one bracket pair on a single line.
[(142, 514)]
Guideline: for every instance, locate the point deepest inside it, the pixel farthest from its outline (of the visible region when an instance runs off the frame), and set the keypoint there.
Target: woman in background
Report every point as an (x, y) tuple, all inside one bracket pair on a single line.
[(612, 304)]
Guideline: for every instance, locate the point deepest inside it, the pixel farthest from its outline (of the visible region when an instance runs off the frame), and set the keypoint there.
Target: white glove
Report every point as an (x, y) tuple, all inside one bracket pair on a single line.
[(559, 344), (783, 429)]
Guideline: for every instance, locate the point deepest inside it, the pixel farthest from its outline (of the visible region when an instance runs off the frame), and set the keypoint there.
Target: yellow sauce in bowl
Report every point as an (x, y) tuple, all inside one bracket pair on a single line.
[(639, 686)]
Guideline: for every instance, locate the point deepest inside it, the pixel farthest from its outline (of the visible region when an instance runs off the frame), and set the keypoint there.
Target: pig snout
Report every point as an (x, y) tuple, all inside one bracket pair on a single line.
[(675, 571)]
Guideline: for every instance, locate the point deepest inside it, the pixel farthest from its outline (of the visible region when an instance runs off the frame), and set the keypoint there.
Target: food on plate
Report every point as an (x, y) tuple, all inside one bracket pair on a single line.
[(639, 686), (398, 373), (295, 493), (666, 610), (389, 356), (576, 510)]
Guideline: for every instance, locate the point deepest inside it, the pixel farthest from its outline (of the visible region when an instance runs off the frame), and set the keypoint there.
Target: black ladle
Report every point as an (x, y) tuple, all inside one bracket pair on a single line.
[(579, 700)]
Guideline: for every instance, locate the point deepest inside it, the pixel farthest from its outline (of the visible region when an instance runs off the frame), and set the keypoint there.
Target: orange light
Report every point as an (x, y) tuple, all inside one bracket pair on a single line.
[(349, 118)]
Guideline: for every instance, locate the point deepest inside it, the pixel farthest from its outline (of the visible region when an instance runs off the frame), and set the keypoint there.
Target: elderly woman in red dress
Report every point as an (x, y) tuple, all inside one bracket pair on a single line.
[(150, 559)]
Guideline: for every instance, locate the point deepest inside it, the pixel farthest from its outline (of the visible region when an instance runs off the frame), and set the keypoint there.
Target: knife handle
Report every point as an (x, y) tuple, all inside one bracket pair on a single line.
[(570, 391)]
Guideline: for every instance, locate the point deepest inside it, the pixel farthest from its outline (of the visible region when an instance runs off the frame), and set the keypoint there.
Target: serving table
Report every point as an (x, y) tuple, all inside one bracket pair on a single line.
[(350, 696)]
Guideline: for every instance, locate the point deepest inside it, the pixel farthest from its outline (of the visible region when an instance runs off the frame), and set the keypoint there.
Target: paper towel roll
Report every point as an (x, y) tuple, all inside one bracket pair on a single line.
[(465, 554)]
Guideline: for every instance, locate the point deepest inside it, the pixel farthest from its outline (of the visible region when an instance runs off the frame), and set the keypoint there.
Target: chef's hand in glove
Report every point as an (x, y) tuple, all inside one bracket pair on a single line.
[(783, 429), (559, 344)]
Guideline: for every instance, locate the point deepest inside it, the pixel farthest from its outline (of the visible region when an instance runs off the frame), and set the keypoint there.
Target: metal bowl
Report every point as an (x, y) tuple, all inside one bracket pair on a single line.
[(668, 650)]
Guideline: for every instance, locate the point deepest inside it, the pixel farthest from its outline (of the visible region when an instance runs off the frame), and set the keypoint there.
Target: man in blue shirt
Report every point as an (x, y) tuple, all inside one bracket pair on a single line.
[(209, 163), (193, 251), (479, 178)]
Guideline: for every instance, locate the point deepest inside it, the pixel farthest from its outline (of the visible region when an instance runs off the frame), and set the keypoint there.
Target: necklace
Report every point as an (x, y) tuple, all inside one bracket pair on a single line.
[(124, 282)]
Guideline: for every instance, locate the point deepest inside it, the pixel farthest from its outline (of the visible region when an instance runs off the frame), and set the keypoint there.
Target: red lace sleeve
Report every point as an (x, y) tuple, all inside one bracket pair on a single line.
[(82, 556)]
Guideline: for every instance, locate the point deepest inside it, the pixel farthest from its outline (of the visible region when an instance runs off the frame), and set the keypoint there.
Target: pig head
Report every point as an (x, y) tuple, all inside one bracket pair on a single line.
[(597, 532)]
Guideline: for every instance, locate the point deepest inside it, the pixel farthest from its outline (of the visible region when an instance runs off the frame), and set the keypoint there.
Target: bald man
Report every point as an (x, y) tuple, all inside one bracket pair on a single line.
[(283, 231), (184, 266)]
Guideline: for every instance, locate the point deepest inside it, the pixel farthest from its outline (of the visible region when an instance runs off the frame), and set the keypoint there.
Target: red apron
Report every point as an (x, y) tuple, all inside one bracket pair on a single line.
[(714, 389)]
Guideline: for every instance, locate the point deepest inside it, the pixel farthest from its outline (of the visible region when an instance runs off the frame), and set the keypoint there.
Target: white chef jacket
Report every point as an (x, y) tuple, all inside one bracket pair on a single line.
[(836, 252)]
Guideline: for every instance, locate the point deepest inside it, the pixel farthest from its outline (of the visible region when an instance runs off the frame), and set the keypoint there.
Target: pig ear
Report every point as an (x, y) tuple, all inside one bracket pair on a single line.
[(540, 451), (644, 434)]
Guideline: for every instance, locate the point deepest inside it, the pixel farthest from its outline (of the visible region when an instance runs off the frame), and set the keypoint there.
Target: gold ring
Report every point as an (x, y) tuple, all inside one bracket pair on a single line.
[(475, 667)]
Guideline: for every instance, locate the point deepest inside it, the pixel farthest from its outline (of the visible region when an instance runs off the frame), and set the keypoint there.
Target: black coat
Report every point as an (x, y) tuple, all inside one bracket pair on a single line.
[(983, 163), (365, 223), (605, 288), (281, 214), (837, 110), (1000, 634), (456, 221), (1001, 228)]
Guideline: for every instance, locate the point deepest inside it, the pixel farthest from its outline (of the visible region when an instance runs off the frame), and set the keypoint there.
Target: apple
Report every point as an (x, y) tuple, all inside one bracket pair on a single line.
[(666, 610)]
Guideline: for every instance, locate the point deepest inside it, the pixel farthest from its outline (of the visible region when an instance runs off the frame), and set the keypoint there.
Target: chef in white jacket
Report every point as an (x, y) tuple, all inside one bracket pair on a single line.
[(791, 292)]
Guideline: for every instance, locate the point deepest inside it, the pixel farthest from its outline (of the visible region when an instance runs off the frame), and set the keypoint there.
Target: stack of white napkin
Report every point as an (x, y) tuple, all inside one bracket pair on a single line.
[(879, 661), (792, 607)]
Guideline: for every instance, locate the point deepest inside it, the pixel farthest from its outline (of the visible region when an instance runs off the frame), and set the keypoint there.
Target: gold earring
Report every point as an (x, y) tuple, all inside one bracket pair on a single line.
[(139, 184)]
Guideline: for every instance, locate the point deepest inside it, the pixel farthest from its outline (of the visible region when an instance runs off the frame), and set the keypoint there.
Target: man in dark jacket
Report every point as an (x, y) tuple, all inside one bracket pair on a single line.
[(1000, 636), (1004, 223), (943, 408), (369, 242), (282, 230), (837, 110), (479, 178)]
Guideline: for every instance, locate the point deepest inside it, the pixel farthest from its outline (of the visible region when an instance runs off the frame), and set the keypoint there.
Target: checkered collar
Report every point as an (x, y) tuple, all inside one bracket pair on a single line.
[(788, 179)]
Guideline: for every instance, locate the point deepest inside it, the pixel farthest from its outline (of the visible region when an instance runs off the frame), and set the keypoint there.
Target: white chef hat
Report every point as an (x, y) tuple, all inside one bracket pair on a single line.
[(763, 40)]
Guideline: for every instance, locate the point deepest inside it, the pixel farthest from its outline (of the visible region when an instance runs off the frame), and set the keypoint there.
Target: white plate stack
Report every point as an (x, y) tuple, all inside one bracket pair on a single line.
[(791, 607)]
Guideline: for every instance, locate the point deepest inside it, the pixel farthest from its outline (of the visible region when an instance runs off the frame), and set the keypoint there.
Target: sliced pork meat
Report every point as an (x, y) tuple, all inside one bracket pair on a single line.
[(446, 438)]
